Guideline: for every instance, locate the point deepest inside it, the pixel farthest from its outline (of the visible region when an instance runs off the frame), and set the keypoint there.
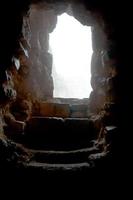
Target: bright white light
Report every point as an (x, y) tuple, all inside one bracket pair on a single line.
[(71, 46)]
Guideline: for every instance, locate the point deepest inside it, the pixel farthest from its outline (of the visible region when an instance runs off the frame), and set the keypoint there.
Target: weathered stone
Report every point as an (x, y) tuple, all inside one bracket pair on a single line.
[(13, 126), (98, 38), (47, 61), (54, 110), (96, 63), (7, 91), (96, 101), (98, 156), (98, 82), (78, 107), (56, 133), (1, 125), (17, 127), (82, 14), (79, 114), (79, 111), (21, 109), (44, 167), (12, 154), (96, 119)]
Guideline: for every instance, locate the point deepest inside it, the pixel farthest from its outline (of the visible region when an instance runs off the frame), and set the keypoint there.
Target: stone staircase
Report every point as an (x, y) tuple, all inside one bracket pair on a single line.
[(58, 144), (60, 161), (51, 133)]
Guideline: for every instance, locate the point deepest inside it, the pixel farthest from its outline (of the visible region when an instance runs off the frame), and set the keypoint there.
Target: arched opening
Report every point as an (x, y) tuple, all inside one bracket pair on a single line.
[(57, 74), (71, 46)]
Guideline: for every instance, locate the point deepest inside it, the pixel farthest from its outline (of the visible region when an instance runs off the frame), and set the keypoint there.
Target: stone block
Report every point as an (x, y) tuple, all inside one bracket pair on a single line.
[(15, 127), (18, 126), (58, 133), (79, 111), (78, 114), (54, 110)]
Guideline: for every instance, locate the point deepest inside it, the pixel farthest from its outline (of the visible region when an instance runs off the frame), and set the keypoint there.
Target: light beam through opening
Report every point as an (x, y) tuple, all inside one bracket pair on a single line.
[(71, 46)]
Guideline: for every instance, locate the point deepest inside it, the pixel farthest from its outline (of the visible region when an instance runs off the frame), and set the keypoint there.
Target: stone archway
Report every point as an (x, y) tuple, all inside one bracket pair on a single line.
[(36, 28)]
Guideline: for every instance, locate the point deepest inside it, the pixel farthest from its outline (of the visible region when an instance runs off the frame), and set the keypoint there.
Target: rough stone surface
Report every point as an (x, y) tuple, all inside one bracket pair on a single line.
[(54, 110), (21, 109), (56, 133), (12, 154)]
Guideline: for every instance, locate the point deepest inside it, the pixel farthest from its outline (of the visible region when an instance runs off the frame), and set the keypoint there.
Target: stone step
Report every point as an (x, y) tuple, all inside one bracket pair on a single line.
[(62, 108), (57, 133), (63, 157), (45, 167)]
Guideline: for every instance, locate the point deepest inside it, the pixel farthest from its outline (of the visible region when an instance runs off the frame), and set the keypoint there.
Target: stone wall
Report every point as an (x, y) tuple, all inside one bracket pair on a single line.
[(34, 73), (31, 63)]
